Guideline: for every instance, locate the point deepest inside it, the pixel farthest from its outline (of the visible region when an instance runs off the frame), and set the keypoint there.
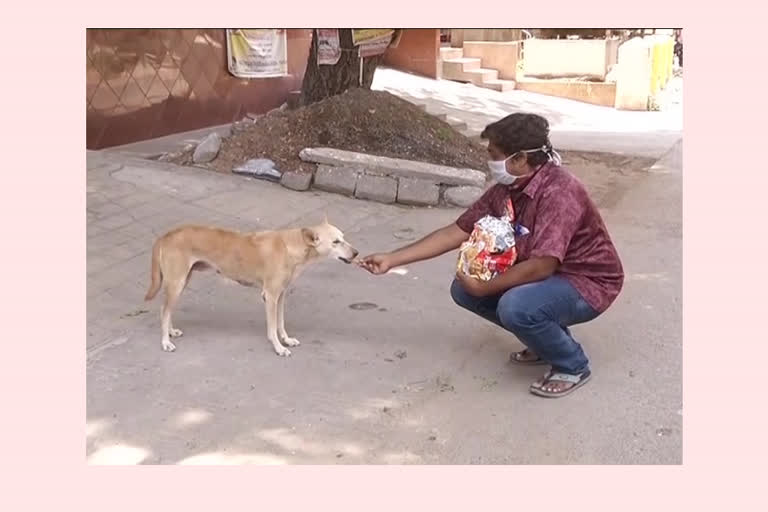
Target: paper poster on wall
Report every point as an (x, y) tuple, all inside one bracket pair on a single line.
[(369, 35), (257, 53), (375, 47), (328, 46)]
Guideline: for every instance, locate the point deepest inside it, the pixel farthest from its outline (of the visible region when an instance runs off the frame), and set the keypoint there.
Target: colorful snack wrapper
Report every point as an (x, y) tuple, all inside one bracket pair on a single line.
[(490, 249)]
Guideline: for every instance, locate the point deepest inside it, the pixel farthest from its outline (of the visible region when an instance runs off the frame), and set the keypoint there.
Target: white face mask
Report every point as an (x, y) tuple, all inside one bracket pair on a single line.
[(499, 172), (498, 168)]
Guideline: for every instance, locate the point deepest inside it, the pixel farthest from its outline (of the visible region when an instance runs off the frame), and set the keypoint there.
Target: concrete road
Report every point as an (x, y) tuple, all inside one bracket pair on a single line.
[(390, 370), (575, 125)]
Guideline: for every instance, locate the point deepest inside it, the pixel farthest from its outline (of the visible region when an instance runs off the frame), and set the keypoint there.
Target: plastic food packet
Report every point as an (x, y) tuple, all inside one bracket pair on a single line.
[(490, 249)]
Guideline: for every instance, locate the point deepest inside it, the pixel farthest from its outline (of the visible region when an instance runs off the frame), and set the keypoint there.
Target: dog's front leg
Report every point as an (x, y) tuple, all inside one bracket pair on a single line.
[(291, 342), (271, 301)]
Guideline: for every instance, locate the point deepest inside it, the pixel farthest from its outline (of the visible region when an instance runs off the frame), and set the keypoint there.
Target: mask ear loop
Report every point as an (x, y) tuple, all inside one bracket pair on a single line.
[(553, 155)]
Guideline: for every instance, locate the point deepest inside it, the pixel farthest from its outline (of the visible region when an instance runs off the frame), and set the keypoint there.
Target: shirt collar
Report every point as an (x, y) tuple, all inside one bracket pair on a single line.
[(533, 186)]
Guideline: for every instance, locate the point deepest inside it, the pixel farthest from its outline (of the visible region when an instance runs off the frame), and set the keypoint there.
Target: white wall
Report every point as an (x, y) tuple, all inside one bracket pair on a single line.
[(565, 57)]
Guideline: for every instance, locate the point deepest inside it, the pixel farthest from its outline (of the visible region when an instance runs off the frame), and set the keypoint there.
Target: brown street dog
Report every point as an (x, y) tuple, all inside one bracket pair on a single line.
[(269, 259)]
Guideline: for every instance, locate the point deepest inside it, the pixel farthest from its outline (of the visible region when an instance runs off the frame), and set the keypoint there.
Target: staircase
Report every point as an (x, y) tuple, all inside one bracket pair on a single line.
[(468, 69)]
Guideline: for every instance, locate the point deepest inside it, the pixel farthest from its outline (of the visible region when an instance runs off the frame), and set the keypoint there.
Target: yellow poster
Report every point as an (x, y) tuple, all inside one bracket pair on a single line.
[(367, 35), (257, 53)]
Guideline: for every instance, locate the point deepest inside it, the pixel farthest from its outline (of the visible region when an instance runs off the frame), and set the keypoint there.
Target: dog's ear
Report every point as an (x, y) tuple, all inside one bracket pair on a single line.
[(310, 237)]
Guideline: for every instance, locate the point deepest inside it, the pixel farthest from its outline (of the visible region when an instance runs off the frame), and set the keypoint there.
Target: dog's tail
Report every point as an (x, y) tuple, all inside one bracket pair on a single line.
[(157, 275)]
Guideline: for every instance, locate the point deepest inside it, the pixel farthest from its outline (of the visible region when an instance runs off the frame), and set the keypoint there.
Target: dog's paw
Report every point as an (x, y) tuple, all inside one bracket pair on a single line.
[(291, 342), (168, 346), (175, 333), (282, 351)]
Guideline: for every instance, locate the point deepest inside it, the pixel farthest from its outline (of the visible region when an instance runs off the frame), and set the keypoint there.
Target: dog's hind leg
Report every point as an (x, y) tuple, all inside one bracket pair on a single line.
[(291, 342), (172, 331), (271, 300), (175, 282)]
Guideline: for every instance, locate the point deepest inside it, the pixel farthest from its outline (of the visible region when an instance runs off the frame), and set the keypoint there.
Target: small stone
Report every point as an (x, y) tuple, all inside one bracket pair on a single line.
[(259, 168), (376, 188), (432, 438), (207, 149), (169, 157), (296, 180), (241, 126), (462, 196), (417, 192), (401, 354)]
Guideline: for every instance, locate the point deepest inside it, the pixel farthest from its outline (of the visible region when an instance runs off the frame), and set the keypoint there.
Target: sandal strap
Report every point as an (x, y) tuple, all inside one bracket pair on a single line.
[(565, 377)]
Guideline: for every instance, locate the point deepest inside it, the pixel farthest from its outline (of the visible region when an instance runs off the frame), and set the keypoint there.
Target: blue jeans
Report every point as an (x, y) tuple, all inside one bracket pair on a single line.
[(539, 315)]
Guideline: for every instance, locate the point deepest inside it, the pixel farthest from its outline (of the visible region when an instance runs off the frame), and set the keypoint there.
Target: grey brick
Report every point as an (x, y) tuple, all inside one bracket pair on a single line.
[(296, 180), (462, 196), (376, 188), (341, 180), (417, 192)]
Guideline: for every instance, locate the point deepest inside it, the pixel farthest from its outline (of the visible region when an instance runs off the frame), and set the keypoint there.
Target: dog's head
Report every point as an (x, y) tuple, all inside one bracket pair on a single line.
[(328, 241)]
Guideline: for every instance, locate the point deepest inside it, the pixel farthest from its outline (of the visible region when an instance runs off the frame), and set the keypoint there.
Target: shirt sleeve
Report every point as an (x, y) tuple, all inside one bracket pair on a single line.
[(557, 221), (478, 210)]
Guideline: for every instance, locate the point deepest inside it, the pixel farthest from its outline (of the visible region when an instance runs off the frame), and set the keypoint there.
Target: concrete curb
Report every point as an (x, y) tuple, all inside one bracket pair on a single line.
[(388, 180)]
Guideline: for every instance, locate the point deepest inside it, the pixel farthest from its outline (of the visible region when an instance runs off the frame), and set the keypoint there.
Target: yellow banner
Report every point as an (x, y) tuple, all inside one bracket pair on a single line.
[(367, 35)]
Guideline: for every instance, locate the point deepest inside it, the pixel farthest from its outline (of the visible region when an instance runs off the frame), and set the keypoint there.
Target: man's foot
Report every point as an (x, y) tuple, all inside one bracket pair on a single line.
[(526, 357), (555, 384)]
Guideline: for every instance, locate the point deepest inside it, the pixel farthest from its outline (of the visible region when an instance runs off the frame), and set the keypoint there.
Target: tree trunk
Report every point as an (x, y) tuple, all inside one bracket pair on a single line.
[(323, 81)]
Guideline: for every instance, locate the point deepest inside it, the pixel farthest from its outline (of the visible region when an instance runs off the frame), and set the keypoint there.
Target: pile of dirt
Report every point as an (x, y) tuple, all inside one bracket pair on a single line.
[(373, 122)]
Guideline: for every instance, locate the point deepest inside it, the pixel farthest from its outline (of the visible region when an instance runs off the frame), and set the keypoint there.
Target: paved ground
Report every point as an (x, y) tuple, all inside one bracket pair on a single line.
[(413, 380)]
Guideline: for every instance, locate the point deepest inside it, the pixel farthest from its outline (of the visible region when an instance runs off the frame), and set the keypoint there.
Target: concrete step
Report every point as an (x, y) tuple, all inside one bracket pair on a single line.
[(481, 75), (454, 69), (455, 123), (451, 53), (499, 85)]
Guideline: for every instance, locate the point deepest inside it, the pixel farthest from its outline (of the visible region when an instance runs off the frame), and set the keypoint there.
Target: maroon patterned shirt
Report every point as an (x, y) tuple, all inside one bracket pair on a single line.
[(564, 223)]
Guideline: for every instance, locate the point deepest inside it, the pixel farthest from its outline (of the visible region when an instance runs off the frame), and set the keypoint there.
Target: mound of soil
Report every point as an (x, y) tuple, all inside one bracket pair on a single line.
[(373, 122)]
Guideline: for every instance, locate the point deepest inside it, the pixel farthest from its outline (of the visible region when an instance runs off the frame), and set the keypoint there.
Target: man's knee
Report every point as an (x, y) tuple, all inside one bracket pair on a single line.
[(516, 313), (461, 297)]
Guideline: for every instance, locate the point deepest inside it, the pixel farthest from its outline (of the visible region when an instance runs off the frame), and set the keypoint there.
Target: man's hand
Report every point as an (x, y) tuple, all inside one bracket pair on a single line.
[(472, 286), (376, 264)]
